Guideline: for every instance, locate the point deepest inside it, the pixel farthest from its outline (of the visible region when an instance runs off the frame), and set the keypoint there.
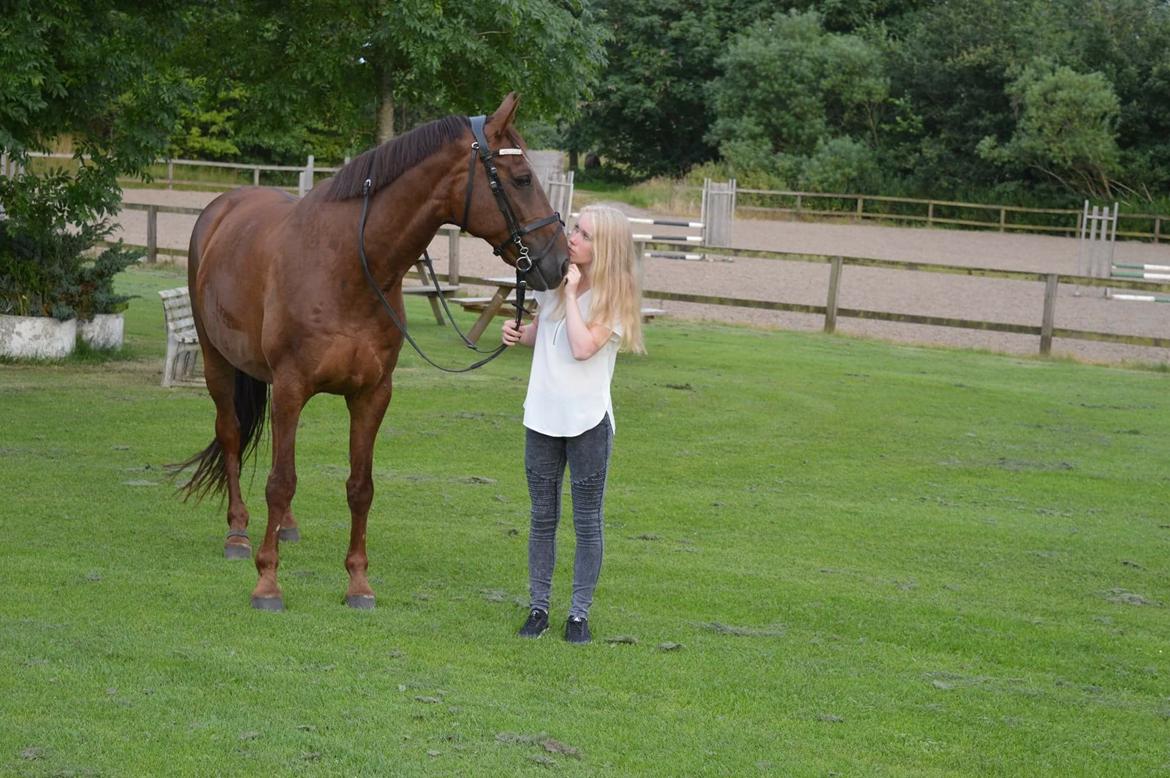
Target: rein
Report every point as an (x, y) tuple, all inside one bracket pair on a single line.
[(481, 149)]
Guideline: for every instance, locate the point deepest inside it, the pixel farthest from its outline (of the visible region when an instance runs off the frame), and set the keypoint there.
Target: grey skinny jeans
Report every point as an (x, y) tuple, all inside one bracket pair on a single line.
[(545, 457)]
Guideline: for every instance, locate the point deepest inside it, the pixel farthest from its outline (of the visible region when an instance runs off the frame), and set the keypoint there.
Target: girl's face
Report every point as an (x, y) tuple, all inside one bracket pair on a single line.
[(581, 241)]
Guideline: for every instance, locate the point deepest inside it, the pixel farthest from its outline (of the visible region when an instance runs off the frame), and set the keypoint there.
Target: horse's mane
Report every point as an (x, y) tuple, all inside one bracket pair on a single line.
[(391, 159)]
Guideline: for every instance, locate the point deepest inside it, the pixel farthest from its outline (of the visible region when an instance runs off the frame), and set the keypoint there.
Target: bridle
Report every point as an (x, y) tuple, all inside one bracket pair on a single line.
[(480, 149)]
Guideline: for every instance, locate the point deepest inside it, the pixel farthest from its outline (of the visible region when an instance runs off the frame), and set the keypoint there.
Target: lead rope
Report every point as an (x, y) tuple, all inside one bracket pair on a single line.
[(520, 285), (390, 310)]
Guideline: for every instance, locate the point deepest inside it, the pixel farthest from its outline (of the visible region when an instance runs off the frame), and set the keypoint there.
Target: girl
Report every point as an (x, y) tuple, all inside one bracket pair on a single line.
[(568, 413)]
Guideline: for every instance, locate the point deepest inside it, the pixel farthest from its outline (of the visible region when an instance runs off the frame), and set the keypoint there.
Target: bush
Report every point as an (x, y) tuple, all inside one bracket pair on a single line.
[(49, 272)]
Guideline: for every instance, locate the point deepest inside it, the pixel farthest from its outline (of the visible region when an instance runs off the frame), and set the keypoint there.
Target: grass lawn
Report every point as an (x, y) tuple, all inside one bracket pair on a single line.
[(825, 556)]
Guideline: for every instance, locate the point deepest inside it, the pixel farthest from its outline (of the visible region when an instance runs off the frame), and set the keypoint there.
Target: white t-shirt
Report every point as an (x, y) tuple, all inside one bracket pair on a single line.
[(567, 396)]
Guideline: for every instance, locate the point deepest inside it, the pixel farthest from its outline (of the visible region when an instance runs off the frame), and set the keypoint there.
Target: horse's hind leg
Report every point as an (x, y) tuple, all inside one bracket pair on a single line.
[(220, 377), (288, 399), (365, 416)]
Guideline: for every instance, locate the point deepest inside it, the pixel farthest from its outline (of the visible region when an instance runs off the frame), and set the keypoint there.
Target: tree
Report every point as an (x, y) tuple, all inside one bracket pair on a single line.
[(650, 109), (950, 64), (791, 92), (353, 73), (86, 71), (1066, 129)]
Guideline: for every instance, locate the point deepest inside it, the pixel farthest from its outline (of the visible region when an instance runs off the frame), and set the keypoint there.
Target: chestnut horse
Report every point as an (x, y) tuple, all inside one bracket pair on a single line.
[(282, 298)]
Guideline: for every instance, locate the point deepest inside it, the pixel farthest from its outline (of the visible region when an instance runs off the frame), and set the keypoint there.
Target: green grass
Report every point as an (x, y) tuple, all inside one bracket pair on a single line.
[(877, 560)]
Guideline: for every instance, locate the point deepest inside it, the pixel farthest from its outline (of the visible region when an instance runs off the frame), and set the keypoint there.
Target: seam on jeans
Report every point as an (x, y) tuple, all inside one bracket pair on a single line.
[(598, 477), (539, 475)]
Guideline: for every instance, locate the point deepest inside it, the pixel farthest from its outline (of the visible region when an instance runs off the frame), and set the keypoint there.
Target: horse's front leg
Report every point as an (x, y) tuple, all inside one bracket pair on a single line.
[(365, 416), (287, 403)]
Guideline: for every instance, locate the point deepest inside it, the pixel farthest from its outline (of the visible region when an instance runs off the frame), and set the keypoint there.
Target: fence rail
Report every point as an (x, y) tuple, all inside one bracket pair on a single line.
[(861, 207), (942, 212), (1045, 329), (171, 164), (831, 311)]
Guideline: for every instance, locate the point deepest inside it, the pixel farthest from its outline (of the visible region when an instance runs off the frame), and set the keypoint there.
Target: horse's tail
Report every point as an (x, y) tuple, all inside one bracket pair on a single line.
[(211, 476)]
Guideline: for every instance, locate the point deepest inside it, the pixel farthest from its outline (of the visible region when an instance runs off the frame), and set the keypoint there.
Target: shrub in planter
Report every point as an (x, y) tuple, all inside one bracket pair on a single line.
[(98, 306), (47, 270)]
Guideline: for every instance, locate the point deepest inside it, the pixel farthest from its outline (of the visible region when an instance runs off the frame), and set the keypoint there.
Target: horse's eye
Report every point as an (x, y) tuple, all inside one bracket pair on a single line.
[(522, 181)]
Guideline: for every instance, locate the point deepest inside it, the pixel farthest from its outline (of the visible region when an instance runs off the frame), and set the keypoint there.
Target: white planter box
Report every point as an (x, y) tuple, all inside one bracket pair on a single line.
[(104, 331), (37, 337)]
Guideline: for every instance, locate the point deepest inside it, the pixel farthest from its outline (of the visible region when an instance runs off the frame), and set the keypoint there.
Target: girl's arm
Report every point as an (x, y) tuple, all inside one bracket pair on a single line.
[(584, 339)]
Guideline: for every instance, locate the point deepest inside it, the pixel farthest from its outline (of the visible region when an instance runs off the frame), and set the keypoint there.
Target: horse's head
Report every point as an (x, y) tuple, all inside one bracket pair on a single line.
[(504, 204)]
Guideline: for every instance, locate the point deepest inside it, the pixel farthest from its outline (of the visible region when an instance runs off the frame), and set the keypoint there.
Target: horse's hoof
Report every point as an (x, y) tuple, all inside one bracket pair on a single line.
[(289, 534), (268, 603), (364, 602), (237, 551)]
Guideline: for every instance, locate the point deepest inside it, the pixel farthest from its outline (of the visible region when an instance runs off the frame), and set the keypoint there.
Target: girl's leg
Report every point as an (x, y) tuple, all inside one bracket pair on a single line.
[(544, 465), (588, 456)]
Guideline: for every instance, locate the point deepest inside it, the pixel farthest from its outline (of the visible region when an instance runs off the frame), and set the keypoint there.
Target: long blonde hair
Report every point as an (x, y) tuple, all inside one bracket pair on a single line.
[(613, 276)]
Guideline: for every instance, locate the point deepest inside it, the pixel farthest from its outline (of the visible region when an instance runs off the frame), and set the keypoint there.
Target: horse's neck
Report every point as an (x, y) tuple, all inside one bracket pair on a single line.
[(397, 232)]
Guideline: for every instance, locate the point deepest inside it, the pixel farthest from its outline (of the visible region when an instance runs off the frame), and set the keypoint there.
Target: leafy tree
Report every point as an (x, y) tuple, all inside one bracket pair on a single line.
[(1067, 129), (313, 75), (650, 111), (791, 92), (1128, 42), (86, 71), (950, 64)]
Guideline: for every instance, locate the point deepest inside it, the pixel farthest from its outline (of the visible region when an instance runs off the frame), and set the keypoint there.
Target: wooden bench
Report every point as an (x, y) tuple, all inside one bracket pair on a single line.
[(480, 304), (182, 340), (427, 287)]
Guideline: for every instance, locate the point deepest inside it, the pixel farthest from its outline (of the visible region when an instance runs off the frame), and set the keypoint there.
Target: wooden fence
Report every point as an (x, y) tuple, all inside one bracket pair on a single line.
[(153, 250), (1044, 329), (857, 207), (171, 165), (831, 310)]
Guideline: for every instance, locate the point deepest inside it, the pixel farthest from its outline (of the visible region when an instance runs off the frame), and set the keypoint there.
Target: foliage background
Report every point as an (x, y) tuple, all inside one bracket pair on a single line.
[(1029, 101)]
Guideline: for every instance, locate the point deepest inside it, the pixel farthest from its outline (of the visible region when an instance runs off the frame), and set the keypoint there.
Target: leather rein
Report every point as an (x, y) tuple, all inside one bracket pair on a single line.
[(480, 149)]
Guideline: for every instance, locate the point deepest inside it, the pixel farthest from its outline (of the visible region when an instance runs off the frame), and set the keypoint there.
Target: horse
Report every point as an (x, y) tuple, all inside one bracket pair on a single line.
[(295, 297)]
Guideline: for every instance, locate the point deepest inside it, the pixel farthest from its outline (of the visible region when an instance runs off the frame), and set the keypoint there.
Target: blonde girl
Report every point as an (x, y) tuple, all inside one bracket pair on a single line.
[(568, 411)]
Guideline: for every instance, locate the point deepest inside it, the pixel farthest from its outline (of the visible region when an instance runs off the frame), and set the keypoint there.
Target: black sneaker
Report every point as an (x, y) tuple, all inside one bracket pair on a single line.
[(577, 630), (536, 625)]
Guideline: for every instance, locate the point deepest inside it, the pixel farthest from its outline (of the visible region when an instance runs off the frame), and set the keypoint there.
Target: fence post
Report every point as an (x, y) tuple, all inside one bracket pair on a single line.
[(256, 176), (305, 181), (718, 212), (640, 262), (559, 189), (1002, 219), (860, 208), (798, 198), (453, 256), (1050, 285), (170, 174), (831, 303), (930, 214), (152, 234), (1157, 228)]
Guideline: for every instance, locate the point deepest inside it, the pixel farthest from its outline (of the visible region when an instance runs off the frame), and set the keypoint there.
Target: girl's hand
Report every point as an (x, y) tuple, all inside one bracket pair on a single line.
[(511, 333), (572, 279)]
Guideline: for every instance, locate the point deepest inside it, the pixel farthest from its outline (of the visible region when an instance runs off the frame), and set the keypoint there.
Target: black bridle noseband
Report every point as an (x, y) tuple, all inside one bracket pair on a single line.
[(480, 149)]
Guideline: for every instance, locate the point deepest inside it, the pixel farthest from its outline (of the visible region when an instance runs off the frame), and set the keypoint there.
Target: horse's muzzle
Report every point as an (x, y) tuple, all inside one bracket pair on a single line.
[(548, 269)]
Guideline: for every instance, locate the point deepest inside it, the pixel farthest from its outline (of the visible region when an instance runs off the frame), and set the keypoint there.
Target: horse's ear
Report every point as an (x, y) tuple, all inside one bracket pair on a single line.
[(505, 113)]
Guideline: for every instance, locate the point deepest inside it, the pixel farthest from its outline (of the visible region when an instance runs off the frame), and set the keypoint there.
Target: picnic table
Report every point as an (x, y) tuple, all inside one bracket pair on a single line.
[(503, 303), (490, 307)]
